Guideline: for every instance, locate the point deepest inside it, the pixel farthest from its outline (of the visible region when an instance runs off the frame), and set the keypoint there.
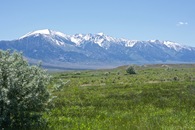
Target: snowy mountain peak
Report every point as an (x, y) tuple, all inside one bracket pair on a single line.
[(99, 38), (47, 32), (154, 41), (44, 32), (100, 33)]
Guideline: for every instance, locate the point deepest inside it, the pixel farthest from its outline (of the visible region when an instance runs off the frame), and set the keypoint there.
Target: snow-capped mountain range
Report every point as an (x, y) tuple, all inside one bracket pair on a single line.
[(96, 49), (99, 38)]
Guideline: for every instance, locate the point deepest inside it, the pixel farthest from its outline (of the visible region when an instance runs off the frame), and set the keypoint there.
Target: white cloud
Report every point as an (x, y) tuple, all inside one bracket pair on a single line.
[(182, 23)]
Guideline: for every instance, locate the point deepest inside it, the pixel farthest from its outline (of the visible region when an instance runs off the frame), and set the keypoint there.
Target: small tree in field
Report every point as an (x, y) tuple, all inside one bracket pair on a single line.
[(130, 70), (23, 92)]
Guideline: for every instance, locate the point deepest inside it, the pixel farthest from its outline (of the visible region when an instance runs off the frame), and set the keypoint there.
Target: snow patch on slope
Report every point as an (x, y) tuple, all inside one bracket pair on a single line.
[(175, 46), (129, 43)]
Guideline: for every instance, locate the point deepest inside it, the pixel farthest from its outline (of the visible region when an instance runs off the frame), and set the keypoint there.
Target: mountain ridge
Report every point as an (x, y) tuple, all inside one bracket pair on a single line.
[(79, 38), (96, 49)]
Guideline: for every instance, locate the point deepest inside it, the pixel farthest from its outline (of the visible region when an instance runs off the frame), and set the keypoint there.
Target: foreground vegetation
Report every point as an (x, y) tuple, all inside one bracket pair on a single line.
[(23, 92), (156, 97)]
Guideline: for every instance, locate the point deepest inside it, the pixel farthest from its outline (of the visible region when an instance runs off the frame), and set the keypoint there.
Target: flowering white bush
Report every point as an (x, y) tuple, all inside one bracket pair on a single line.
[(23, 92)]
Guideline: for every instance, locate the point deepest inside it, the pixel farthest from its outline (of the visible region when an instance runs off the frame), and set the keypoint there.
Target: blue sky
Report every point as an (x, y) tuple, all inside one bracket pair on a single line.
[(172, 20)]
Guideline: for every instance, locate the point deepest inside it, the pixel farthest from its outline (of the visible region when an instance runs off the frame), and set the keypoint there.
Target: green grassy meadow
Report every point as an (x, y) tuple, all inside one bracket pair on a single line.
[(157, 97)]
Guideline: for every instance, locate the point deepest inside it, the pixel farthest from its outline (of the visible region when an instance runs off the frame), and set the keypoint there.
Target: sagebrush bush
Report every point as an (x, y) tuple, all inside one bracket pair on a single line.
[(23, 92)]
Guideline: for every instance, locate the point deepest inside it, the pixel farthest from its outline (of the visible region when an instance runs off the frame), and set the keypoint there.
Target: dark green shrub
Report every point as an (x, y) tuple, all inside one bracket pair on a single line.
[(130, 70)]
